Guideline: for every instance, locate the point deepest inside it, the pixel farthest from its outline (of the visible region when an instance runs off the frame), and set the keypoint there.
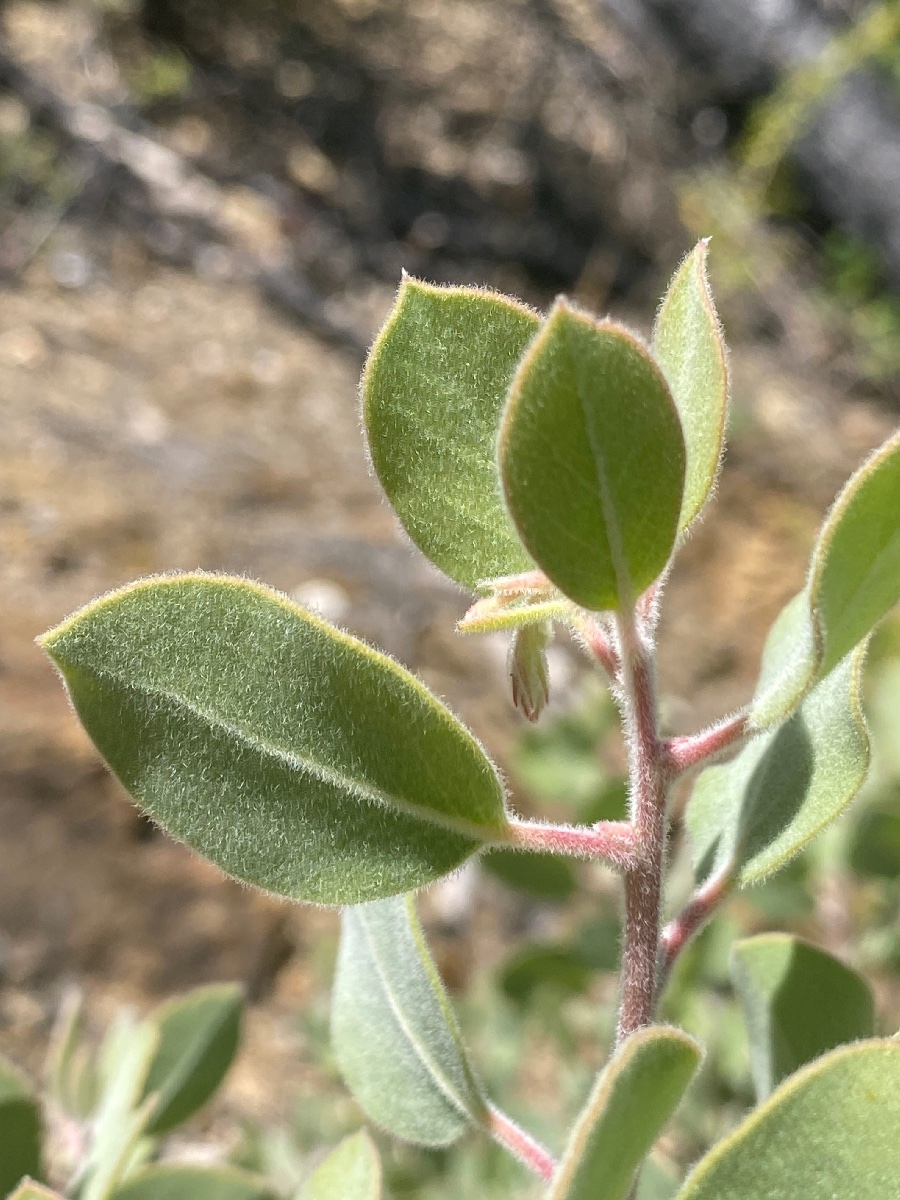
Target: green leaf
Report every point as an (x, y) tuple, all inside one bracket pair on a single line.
[(20, 1129), (753, 814), (689, 346), (198, 1039), (798, 1003), (854, 581), (175, 1182), (557, 970), (394, 1033), (71, 1072), (875, 848), (828, 1131), (292, 755), (632, 1100), (122, 1117), (592, 459), (432, 394), (352, 1171), (29, 1190)]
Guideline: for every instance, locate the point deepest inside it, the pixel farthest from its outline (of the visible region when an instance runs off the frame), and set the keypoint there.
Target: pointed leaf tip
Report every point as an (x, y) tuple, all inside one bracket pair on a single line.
[(592, 459), (292, 755), (689, 346), (432, 392), (352, 1171)]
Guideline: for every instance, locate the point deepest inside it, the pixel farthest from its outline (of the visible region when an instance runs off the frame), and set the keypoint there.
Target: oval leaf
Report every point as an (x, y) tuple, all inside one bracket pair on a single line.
[(753, 814), (198, 1038), (798, 1003), (352, 1171), (165, 1182), (592, 459), (632, 1100), (854, 581), (292, 755), (393, 1030), (830, 1130), (689, 346), (432, 392), (20, 1129)]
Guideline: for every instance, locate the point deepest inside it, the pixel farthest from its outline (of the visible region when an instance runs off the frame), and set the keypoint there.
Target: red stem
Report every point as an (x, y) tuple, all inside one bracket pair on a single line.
[(520, 1144), (610, 840), (692, 918), (599, 644), (643, 883), (682, 753)]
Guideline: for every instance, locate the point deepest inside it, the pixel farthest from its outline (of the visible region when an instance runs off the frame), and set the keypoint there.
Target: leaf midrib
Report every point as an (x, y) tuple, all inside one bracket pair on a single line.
[(300, 763)]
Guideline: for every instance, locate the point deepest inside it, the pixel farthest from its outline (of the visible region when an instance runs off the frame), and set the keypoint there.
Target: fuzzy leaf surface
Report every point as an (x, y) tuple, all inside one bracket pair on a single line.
[(352, 1171), (592, 459), (182, 1182), (198, 1039), (854, 581), (20, 1129), (798, 1002), (759, 810), (689, 346), (432, 391), (293, 756), (393, 1031), (829, 1130), (632, 1100)]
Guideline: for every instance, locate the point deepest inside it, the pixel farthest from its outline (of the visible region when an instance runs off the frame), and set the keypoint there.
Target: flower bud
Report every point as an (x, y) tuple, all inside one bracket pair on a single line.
[(528, 670)]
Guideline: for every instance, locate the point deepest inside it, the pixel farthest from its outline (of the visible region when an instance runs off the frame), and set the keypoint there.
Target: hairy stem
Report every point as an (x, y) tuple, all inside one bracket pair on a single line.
[(682, 753), (649, 781), (613, 841), (520, 1144), (692, 918)]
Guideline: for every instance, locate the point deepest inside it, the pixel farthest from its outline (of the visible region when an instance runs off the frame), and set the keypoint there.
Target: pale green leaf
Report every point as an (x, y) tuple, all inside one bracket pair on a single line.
[(182, 1182), (20, 1129), (394, 1033), (592, 459), (352, 1171), (29, 1190), (121, 1118), (753, 814), (432, 394), (854, 581), (798, 1002), (689, 346), (292, 755), (632, 1100), (198, 1038), (829, 1131), (70, 1069)]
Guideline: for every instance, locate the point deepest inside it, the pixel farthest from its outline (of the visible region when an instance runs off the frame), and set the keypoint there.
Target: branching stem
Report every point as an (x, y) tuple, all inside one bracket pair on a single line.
[(520, 1144), (682, 753), (692, 918)]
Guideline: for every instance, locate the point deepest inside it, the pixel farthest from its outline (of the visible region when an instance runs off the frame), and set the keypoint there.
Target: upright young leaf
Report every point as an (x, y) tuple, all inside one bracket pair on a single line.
[(121, 1118), (689, 346), (759, 810), (292, 755), (393, 1030), (830, 1130), (798, 1002), (632, 1100), (592, 459), (20, 1129), (352, 1171), (170, 1181), (854, 581), (198, 1039), (432, 393)]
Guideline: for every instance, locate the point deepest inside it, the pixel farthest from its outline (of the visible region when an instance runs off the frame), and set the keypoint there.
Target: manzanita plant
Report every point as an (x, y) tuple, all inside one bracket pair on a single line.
[(552, 465)]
